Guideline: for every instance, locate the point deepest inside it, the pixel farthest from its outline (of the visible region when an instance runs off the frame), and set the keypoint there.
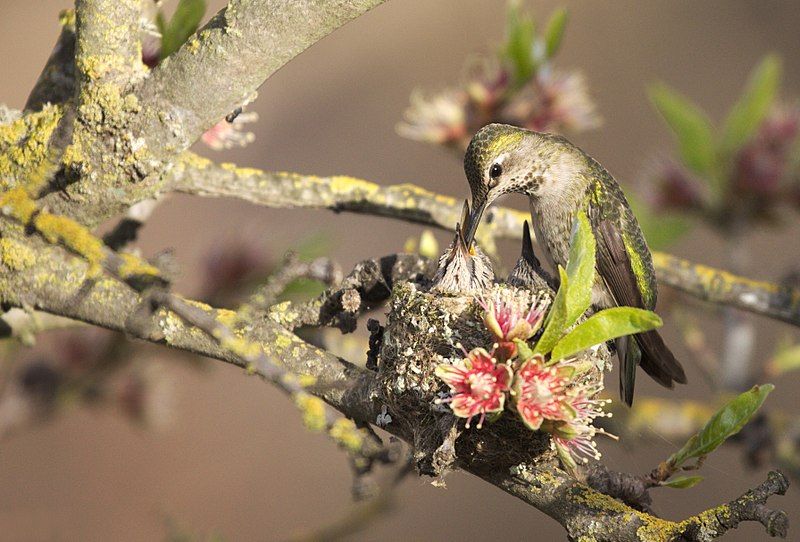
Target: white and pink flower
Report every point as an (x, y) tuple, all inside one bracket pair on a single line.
[(478, 385), (540, 393), (509, 318)]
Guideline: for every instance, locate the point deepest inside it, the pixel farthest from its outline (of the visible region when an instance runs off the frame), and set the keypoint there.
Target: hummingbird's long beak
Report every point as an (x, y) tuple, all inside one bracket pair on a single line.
[(472, 224)]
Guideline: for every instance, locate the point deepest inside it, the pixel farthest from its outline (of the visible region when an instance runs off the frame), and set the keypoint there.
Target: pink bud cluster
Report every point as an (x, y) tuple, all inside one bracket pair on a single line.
[(550, 101), (761, 176), (509, 315), (546, 396)]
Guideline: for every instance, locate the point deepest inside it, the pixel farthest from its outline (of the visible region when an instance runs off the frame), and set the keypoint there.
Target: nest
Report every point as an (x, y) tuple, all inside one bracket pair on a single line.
[(422, 331)]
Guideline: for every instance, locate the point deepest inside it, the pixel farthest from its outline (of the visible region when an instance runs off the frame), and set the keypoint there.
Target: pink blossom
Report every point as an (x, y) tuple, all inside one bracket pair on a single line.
[(540, 393), (575, 435), (763, 164), (677, 189), (555, 101), (478, 385), (227, 135), (436, 118), (510, 317)]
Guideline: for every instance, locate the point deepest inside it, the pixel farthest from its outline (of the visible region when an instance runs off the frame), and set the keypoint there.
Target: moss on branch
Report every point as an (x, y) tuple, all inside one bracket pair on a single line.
[(56, 283), (197, 175)]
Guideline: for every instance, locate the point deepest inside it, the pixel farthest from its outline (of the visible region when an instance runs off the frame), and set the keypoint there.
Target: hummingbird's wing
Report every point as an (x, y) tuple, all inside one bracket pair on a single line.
[(614, 266)]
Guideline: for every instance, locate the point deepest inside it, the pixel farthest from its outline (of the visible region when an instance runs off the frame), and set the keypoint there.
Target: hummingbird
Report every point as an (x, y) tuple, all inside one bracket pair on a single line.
[(561, 180), (528, 272), (463, 269)]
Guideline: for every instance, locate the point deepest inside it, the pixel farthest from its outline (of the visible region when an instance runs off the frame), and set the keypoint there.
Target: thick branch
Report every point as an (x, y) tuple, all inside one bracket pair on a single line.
[(222, 66), (57, 283), (197, 175), (108, 48), (721, 287), (126, 135)]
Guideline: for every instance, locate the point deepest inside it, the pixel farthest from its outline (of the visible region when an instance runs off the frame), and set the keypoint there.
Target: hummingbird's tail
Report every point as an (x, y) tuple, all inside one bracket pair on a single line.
[(649, 351)]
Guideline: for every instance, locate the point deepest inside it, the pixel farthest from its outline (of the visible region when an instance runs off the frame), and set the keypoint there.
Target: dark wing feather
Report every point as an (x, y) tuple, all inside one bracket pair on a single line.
[(614, 266)]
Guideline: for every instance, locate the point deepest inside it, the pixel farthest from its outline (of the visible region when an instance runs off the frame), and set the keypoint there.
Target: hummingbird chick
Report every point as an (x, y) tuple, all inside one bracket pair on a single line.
[(560, 181), (528, 272), (462, 269)]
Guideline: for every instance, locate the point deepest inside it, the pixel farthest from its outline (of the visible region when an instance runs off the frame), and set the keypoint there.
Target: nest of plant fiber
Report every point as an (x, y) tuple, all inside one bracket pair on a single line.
[(422, 331)]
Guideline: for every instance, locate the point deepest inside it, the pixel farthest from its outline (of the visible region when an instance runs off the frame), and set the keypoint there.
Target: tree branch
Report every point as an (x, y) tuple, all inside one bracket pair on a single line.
[(57, 283), (721, 287), (126, 133), (108, 49), (199, 176), (194, 174), (239, 48)]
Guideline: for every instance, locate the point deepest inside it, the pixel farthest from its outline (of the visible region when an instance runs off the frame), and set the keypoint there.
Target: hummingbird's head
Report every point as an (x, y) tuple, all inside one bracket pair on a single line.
[(502, 159)]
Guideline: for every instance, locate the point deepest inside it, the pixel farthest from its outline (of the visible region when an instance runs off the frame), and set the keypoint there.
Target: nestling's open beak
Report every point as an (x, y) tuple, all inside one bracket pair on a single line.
[(472, 224)]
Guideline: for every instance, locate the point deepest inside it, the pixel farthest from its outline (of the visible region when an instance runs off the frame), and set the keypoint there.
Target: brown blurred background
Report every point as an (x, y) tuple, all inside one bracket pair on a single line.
[(235, 460)]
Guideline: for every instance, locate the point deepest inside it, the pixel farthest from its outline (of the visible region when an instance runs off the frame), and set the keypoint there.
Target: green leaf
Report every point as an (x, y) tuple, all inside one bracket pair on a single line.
[(725, 423), (786, 359), (313, 246), (682, 482), (691, 127), (580, 268), (660, 230), (181, 26), (567, 461), (301, 288), (554, 32), (747, 114), (665, 231), (555, 323), (518, 50), (523, 350), (603, 326)]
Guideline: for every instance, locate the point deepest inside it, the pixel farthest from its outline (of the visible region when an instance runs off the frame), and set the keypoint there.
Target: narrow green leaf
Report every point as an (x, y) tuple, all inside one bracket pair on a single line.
[(302, 288), (554, 32), (725, 423), (691, 127), (580, 268), (660, 230), (682, 482), (666, 231), (313, 246), (520, 36), (567, 461), (181, 26), (555, 323), (524, 351), (603, 326), (747, 114)]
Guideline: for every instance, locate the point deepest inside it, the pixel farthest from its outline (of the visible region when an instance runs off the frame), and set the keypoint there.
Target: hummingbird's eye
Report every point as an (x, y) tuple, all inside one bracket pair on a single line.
[(495, 171)]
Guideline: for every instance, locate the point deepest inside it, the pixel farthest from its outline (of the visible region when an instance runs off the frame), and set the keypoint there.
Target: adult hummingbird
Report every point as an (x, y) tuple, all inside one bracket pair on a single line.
[(560, 180)]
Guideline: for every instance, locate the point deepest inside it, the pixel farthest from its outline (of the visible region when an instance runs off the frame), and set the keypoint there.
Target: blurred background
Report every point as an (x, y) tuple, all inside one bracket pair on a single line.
[(174, 447)]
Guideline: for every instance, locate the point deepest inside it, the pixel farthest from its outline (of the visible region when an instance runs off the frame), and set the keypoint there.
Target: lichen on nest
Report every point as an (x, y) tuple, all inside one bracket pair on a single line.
[(423, 330)]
